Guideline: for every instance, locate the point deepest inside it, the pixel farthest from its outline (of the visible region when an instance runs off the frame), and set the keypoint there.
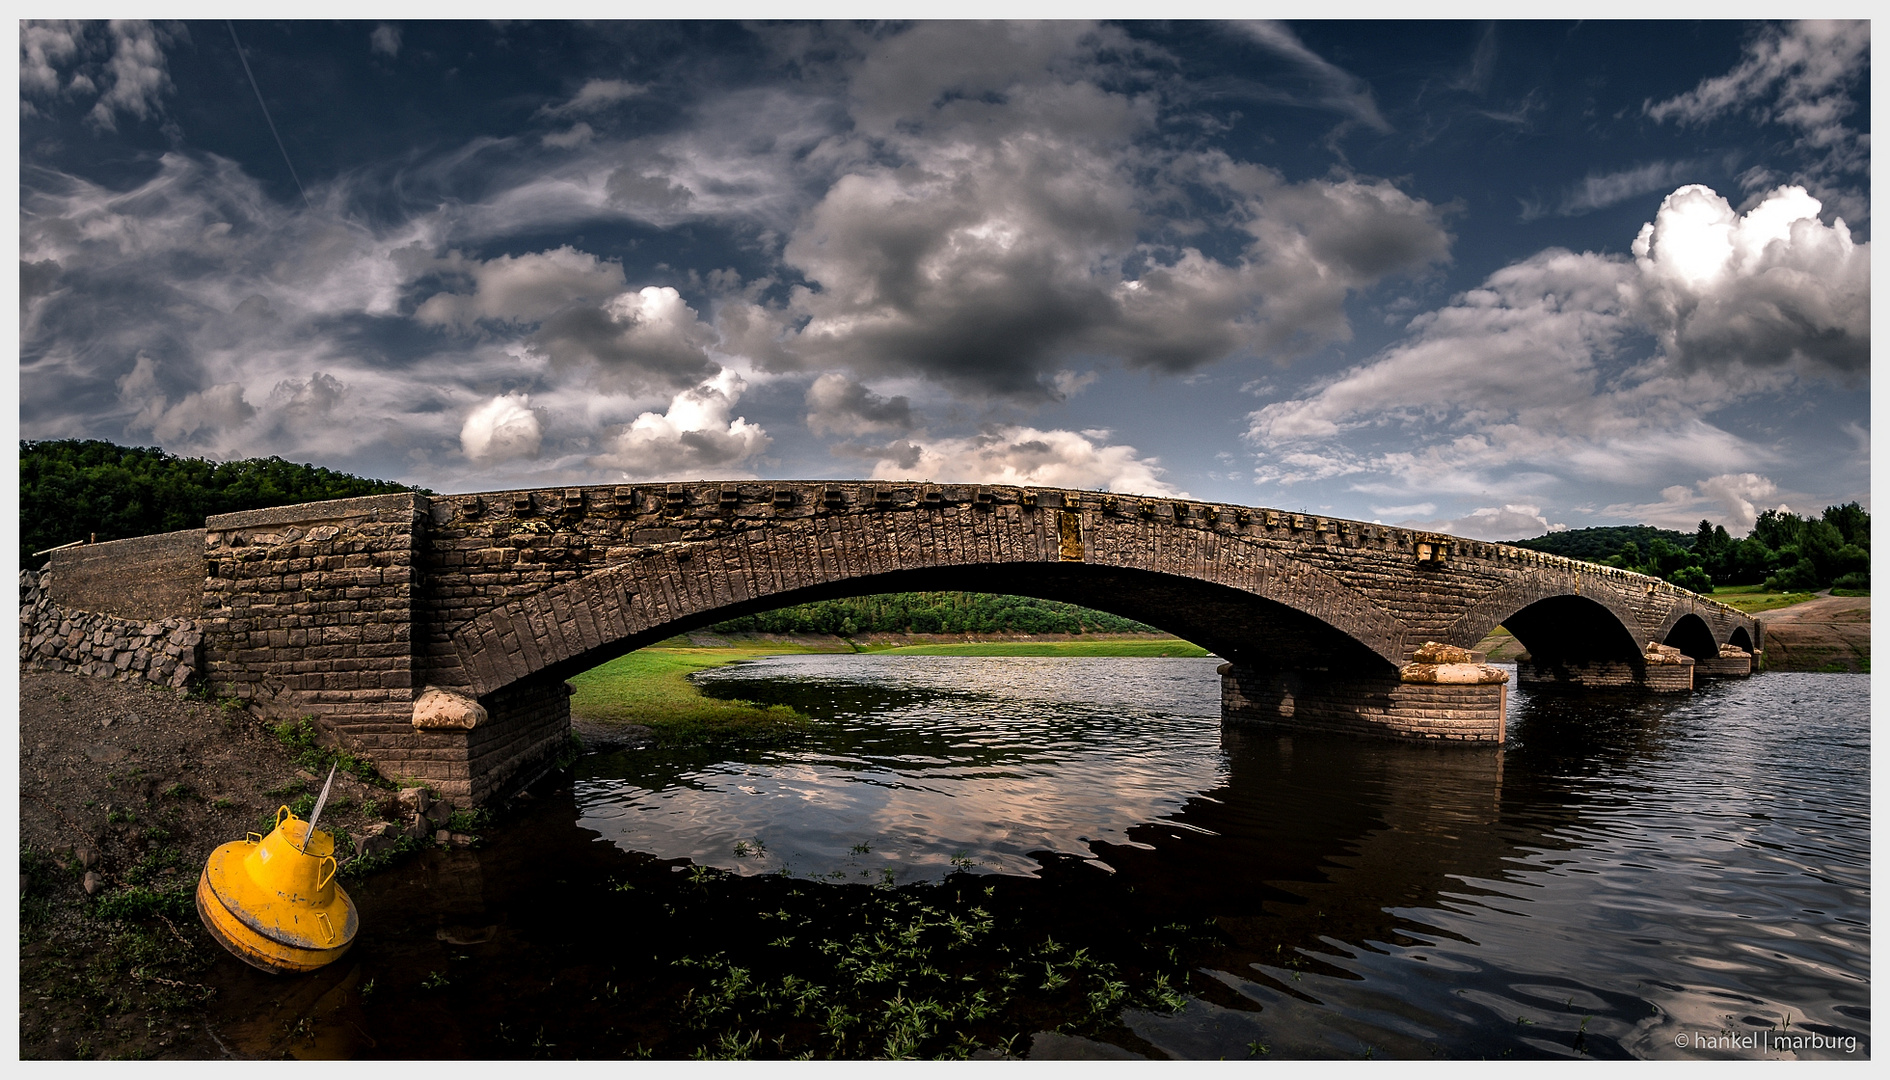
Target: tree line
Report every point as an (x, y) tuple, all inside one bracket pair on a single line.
[(1784, 552), (75, 489), (933, 613)]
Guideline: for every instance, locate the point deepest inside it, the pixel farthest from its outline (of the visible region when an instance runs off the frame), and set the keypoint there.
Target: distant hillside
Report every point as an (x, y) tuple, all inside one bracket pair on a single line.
[(72, 489), (1604, 541)]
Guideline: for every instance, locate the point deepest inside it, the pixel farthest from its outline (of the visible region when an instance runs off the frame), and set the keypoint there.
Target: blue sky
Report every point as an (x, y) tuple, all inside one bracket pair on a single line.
[(1492, 278)]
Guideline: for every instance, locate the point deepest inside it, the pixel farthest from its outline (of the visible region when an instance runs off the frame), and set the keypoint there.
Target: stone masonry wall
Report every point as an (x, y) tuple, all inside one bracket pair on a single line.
[(144, 578), (1364, 705), (528, 726), (309, 611), (167, 651)]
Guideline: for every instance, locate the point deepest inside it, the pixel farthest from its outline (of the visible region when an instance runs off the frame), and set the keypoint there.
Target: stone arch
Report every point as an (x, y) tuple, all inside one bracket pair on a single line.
[(1574, 627), (1740, 638), (1690, 634), (1584, 596), (1248, 610)]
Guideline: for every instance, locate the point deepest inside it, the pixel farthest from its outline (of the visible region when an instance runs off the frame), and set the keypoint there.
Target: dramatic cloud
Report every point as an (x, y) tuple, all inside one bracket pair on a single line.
[(1024, 455), (504, 428), (694, 440), (1011, 235), (521, 289), (122, 62), (836, 405)]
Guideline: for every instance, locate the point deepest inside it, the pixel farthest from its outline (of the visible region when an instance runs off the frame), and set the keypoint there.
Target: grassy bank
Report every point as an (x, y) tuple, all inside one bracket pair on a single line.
[(1753, 599), (1171, 647), (651, 687)]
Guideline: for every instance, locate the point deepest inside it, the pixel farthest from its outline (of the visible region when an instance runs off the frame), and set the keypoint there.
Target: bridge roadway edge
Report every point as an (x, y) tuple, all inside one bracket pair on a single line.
[(348, 610)]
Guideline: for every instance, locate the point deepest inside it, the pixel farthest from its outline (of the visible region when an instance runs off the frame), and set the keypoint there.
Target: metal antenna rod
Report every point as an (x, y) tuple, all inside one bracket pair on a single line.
[(317, 815), (265, 112)]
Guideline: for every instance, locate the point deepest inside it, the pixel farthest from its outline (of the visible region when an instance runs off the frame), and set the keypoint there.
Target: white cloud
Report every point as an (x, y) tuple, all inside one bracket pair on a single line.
[(1530, 383), (385, 40), (1025, 455), (1508, 522), (138, 77), (596, 95), (1597, 192), (1774, 286), (502, 429), (693, 440), (44, 47), (1736, 499), (1333, 87), (1801, 75)]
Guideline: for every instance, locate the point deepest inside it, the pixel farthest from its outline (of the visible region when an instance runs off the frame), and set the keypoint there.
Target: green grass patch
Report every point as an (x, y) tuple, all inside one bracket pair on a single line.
[(1850, 592), (1754, 598), (1172, 647), (651, 687), (300, 737)]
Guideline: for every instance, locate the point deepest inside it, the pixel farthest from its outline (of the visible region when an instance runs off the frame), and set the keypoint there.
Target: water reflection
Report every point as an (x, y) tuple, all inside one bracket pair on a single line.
[(1625, 871), (1622, 873)]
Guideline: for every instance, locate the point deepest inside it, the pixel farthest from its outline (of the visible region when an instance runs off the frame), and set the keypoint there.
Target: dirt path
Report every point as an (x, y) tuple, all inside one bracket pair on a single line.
[(1830, 633)]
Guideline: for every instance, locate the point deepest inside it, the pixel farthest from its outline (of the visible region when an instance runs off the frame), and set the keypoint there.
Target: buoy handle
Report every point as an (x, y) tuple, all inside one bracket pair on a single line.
[(328, 864), (283, 813), (253, 838)]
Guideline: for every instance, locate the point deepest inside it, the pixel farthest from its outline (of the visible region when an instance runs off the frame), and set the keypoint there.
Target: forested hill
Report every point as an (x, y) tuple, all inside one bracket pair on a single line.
[(1603, 541), (934, 613), (71, 489)]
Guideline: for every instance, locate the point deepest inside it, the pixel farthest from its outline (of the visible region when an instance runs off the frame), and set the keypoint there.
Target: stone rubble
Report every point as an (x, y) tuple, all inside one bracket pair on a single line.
[(167, 652)]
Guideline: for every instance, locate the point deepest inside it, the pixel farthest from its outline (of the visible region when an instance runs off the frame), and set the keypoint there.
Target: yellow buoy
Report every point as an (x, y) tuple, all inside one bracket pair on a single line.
[(273, 900)]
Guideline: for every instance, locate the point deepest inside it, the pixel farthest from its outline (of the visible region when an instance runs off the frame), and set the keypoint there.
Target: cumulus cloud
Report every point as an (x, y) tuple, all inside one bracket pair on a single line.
[(836, 405), (505, 428), (1015, 454), (1531, 380), (1774, 286), (122, 62), (647, 338), (695, 438), (521, 288)]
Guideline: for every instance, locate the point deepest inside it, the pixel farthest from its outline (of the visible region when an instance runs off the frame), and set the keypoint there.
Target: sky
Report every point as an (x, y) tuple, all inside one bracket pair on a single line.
[(1495, 279)]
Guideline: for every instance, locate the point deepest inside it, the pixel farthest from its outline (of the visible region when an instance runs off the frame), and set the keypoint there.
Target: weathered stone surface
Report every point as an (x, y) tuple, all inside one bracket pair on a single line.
[(415, 799), (438, 708), (353, 611), (1657, 653), (1433, 653), (1456, 674)]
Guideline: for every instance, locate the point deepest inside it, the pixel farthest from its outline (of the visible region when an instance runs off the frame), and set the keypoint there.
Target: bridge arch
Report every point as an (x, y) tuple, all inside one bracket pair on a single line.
[(1690, 634), (1550, 614), (1303, 620), (1740, 638)]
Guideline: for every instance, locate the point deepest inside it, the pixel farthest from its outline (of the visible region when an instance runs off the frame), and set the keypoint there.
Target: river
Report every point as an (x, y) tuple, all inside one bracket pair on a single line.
[(1682, 878)]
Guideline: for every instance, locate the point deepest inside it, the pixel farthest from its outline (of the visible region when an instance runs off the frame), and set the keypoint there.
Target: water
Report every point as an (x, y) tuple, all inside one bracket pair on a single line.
[(1624, 876)]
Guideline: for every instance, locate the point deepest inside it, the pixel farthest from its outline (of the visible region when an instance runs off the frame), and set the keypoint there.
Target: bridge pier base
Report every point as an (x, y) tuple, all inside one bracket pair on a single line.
[(1554, 674), (1379, 704)]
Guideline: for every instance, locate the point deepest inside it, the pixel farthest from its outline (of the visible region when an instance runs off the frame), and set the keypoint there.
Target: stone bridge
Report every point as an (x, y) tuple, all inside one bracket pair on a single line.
[(369, 613)]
